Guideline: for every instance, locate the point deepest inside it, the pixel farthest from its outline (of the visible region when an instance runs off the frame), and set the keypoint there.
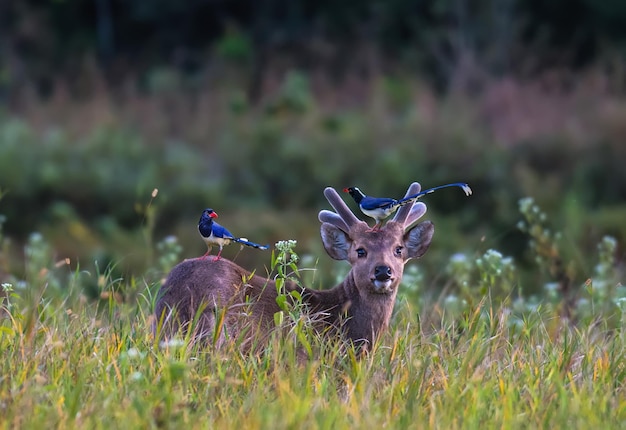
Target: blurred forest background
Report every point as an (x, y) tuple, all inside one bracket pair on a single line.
[(253, 107)]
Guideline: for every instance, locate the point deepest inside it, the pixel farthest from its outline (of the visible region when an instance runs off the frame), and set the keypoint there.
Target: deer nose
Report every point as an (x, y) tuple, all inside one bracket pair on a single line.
[(382, 273)]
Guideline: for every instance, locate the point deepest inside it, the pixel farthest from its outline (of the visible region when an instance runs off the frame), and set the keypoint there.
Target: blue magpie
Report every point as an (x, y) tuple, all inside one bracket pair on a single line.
[(380, 208), (214, 234)]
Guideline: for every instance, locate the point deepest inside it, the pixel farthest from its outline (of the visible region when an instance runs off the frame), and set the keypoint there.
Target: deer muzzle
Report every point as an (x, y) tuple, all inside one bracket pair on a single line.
[(382, 280)]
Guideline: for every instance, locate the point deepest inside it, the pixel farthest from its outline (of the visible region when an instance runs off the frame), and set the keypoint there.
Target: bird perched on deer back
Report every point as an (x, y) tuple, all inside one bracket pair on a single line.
[(380, 208), (214, 234)]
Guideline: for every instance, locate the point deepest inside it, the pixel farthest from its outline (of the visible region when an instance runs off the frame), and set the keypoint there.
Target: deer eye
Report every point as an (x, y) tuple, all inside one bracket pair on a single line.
[(399, 250), (361, 253)]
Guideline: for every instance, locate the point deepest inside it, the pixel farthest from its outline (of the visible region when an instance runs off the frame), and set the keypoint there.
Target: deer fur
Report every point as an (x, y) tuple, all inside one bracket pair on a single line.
[(219, 299)]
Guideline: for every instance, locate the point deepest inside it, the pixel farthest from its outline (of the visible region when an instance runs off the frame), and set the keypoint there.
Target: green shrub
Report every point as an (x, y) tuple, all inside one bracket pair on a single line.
[(88, 193)]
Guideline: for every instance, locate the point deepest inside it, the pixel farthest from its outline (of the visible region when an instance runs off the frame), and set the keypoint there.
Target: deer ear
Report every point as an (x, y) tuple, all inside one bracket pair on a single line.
[(417, 240), (336, 241)]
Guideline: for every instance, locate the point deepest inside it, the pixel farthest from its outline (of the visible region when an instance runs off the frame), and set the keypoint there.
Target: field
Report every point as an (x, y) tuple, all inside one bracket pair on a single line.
[(121, 121)]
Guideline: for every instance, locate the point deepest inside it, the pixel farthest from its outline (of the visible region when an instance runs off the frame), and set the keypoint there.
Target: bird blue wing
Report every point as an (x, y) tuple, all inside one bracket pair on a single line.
[(371, 203), (221, 232)]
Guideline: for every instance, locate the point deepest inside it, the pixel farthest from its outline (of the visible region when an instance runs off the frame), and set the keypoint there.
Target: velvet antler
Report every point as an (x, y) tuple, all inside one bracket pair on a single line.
[(343, 218), (408, 214)]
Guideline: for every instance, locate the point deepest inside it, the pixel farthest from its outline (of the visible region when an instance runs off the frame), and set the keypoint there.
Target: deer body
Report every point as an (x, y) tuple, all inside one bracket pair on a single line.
[(222, 299)]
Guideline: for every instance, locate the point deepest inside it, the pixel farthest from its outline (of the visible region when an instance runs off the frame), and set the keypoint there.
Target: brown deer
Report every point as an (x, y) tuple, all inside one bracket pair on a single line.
[(217, 299)]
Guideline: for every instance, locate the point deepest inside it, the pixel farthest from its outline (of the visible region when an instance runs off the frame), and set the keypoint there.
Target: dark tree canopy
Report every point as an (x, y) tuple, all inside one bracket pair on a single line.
[(42, 39)]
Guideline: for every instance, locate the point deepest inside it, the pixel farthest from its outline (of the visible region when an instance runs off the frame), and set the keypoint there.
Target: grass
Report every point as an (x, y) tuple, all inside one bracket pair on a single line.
[(82, 366)]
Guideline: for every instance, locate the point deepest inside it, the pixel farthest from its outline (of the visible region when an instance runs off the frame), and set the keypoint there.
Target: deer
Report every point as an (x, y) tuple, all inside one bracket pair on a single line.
[(212, 300)]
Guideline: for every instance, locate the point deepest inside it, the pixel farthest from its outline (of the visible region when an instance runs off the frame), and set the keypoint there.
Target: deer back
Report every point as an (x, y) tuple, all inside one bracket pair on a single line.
[(214, 299)]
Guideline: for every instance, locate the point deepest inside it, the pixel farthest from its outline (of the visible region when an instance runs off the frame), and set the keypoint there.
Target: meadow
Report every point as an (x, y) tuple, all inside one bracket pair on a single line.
[(514, 319)]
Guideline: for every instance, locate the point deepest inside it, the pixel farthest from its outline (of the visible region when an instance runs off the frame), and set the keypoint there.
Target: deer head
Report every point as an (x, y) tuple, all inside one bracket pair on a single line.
[(377, 258), (360, 306)]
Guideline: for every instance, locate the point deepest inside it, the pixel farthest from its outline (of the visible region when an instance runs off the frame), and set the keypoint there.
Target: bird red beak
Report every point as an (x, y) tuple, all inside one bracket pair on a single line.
[(213, 215), (345, 190)]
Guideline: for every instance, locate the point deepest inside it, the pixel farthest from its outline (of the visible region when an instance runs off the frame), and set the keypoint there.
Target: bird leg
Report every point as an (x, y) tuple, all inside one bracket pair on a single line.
[(219, 255), (206, 253), (375, 228)]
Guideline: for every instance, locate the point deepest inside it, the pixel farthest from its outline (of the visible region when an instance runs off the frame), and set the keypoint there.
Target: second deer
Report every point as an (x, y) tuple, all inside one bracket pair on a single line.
[(212, 300)]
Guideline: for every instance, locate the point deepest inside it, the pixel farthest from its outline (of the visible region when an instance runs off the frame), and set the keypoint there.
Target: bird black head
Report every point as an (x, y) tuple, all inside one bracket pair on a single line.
[(356, 194), (208, 213)]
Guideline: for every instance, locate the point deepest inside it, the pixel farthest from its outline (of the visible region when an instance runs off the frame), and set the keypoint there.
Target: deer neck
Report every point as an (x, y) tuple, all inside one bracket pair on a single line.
[(363, 315)]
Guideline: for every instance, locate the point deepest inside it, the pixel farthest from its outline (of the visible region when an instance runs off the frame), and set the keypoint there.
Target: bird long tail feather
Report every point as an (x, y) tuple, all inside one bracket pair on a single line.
[(410, 199), (246, 242)]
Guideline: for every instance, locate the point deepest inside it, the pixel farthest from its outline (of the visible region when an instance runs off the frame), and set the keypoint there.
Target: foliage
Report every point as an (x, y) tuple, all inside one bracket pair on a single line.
[(601, 293), (90, 194), (54, 178), (597, 296)]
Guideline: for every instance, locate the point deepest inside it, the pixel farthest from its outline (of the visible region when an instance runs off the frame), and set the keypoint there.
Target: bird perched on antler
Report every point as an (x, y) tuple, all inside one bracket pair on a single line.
[(214, 234), (380, 208)]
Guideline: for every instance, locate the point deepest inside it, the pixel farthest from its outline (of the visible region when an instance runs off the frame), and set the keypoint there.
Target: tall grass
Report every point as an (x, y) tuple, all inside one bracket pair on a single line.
[(79, 368)]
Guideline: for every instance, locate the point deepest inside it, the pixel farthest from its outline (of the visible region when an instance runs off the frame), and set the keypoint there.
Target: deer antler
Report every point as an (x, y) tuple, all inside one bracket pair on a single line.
[(343, 218), (408, 214)]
